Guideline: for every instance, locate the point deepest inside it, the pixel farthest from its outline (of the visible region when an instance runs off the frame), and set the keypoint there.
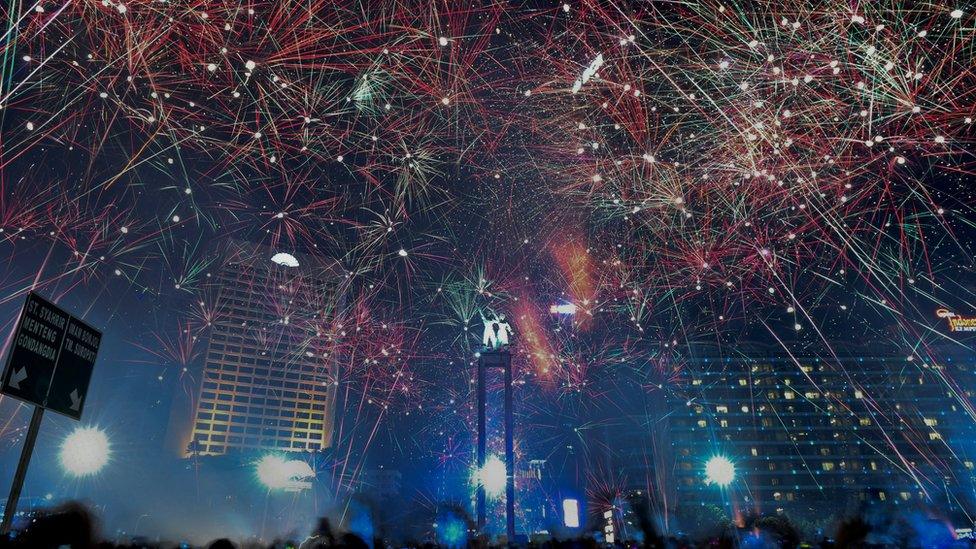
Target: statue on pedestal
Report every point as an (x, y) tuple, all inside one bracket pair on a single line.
[(496, 333)]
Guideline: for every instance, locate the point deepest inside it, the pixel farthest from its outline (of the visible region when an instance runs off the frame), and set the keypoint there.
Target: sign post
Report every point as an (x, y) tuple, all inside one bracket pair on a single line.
[(49, 365), (25, 455)]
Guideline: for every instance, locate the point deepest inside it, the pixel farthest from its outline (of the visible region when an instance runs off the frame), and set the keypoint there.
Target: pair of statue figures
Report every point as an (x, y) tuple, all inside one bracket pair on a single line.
[(496, 333)]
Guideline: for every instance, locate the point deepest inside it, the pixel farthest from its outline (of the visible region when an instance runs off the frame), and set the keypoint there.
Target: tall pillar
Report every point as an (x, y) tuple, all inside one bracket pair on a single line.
[(482, 441), (497, 359), (509, 453)]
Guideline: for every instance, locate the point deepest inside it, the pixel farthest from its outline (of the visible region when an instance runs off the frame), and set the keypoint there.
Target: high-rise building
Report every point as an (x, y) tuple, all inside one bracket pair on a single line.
[(268, 379), (807, 432)]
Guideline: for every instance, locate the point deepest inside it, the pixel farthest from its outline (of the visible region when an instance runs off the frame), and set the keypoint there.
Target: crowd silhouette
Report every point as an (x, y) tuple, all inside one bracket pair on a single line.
[(72, 525)]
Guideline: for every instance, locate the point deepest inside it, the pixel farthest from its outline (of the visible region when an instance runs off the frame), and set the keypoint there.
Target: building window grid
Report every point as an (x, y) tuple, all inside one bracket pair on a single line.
[(308, 389), (842, 469)]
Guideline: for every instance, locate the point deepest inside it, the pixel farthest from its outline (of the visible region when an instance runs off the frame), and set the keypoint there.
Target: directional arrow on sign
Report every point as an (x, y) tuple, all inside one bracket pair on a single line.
[(75, 400), (17, 377), (55, 381)]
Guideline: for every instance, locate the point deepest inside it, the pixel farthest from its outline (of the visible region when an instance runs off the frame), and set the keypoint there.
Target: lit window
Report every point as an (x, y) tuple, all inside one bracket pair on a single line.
[(722, 409), (905, 496), (968, 464), (828, 465), (788, 395), (745, 409), (812, 395), (931, 422), (858, 394), (743, 382), (935, 436), (864, 421), (724, 423), (755, 452), (701, 422)]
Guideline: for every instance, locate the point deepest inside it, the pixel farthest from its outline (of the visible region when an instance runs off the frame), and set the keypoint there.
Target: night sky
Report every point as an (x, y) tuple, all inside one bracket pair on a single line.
[(794, 174)]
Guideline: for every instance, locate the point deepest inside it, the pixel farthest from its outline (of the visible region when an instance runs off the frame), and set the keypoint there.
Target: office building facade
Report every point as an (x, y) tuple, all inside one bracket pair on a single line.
[(809, 434), (268, 379)]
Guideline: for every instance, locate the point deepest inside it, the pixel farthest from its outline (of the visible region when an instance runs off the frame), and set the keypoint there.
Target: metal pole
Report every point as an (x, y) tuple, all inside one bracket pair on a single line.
[(509, 451), (25, 456), (482, 442)]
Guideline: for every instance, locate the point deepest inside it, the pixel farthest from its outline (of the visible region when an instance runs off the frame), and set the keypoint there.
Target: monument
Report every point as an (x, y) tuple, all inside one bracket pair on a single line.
[(496, 332), (495, 354)]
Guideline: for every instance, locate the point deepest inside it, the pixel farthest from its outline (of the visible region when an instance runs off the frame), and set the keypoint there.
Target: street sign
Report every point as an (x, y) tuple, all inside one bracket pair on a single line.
[(34, 354), (73, 372), (49, 365), (51, 359)]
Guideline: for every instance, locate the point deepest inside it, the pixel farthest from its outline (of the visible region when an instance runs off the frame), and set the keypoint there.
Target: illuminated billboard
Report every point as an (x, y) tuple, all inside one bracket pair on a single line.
[(956, 322)]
